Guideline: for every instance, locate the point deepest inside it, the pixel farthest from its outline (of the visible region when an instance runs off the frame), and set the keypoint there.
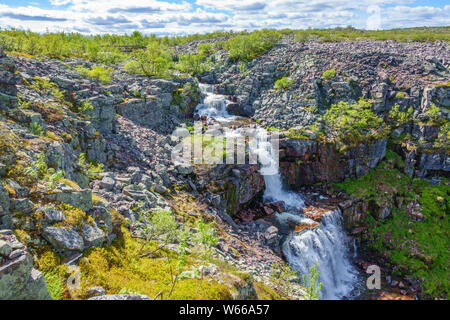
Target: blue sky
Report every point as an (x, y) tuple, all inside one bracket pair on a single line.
[(169, 17)]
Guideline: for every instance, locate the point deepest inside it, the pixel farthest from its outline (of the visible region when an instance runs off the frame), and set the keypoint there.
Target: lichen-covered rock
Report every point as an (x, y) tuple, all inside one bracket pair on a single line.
[(80, 199), (4, 201), (92, 235), (63, 240), (18, 279)]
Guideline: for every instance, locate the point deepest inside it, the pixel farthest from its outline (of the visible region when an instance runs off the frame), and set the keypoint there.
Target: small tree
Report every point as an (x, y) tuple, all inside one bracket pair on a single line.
[(206, 239), (283, 276), (159, 225), (312, 288)]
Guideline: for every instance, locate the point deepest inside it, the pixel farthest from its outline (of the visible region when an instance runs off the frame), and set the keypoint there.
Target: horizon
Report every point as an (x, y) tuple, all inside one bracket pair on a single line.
[(172, 18)]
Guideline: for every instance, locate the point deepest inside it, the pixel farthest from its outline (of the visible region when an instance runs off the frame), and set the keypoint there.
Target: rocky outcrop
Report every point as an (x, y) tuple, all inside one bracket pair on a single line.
[(306, 162), (18, 279), (8, 81)]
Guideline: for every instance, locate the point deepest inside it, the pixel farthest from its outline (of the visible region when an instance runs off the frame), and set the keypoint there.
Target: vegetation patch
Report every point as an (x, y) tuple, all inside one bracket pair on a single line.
[(417, 248)]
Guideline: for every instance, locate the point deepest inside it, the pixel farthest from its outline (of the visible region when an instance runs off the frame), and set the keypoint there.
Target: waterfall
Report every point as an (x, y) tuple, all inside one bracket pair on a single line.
[(213, 105), (324, 245)]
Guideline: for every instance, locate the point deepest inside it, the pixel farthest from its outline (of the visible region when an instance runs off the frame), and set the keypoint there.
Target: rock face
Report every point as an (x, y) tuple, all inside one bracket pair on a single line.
[(8, 81), (18, 279), (231, 187), (306, 162)]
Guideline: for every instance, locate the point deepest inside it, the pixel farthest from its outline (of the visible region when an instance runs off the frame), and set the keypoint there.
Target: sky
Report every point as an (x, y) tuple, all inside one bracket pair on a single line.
[(179, 17)]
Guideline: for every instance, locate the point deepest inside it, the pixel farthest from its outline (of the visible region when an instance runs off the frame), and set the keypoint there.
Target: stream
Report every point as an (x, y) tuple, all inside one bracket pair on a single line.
[(326, 244)]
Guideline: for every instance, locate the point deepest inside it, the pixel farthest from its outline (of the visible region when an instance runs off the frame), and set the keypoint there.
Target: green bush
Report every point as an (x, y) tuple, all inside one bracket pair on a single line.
[(247, 47), (401, 117), (349, 124), (98, 73), (193, 64), (283, 83), (329, 74), (155, 60)]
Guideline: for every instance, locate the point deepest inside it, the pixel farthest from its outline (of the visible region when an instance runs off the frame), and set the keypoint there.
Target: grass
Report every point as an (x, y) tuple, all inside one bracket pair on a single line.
[(118, 266)]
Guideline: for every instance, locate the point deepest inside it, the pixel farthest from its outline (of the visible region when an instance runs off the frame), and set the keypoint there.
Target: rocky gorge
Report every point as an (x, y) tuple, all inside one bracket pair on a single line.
[(82, 162)]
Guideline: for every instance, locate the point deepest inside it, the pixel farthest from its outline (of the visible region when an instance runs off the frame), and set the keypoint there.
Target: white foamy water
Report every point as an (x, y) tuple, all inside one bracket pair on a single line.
[(213, 105), (325, 245)]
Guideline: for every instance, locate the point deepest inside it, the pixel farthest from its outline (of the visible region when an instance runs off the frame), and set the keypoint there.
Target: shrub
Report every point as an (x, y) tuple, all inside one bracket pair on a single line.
[(192, 64), (329, 74), (155, 60), (283, 83), (349, 124), (247, 47), (91, 168), (433, 113), (98, 73), (401, 117)]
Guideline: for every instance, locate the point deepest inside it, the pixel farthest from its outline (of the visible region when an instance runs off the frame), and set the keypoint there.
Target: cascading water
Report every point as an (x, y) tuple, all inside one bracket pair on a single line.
[(324, 245), (213, 105)]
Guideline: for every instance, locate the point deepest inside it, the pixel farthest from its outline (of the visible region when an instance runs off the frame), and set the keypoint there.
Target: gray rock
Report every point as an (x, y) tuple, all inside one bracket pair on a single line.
[(96, 291), (107, 183), (184, 170), (52, 215), (4, 201), (93, 236), (23, 205), (5, 248), (19, 281), (63, 239), (80, 199)]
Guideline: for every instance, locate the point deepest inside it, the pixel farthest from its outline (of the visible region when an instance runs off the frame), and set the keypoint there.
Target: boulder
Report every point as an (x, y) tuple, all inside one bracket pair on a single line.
[(93, 236), (80, 199), (62, 239), (18, 279)]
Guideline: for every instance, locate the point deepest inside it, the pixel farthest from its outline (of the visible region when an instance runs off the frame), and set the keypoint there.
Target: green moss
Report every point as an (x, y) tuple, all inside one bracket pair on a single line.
[(416, 248), (118, 267)]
